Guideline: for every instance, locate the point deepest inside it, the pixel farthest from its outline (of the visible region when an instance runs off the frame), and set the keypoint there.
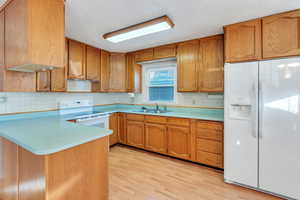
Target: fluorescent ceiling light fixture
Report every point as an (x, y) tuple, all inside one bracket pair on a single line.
[(153, 26)]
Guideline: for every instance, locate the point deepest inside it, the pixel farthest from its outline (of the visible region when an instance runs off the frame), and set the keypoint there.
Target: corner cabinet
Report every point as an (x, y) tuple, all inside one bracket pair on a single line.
[(187, 66), (211, 64), (43, 81), (243, 41), (281, 35)]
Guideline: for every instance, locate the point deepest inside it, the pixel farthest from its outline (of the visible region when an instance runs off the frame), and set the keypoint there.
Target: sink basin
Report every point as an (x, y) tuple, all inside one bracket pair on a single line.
[(151, 111)]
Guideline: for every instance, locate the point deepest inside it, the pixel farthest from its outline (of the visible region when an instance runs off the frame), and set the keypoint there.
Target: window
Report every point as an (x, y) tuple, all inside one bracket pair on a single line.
[(160, 83)]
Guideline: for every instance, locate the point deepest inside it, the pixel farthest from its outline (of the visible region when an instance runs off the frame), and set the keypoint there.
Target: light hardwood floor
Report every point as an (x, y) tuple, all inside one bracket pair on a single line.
[(140, 175)]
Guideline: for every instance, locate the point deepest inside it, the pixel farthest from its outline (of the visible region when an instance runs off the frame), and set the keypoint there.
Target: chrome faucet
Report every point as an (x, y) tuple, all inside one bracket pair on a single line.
[(157, 108)]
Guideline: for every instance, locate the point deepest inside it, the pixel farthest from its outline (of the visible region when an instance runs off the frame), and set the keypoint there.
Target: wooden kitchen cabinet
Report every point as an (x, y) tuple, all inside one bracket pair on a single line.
[(118, 73), (114, 126), (209, 143), (187, 66), (105, 71), (156, 137), (11, 81), (135, 133), (281, 35), (34, 33), (243, 41), (166, 51), (122, 128), (211, 64), (59, 76), (93, 62), (179, 142), (134, 74), (77, 60), (43, 81), (144, 55)]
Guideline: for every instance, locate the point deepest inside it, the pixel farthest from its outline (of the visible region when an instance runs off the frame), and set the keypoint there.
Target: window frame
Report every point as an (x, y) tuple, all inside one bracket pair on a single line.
[(159, 67)]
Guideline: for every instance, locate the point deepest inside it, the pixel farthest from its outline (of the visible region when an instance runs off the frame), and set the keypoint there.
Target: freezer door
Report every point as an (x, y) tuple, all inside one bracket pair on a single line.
[(241, 123), (279, 145)]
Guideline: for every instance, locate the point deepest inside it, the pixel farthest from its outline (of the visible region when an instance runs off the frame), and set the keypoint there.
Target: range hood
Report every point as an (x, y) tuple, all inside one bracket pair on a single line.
[(32, 68)]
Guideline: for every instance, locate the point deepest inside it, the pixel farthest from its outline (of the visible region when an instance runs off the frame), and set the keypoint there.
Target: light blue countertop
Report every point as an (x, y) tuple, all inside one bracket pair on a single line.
[(44, 133)]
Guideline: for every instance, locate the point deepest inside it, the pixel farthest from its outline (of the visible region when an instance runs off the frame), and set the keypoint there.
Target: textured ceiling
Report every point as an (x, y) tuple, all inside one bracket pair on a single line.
[(88, 20)]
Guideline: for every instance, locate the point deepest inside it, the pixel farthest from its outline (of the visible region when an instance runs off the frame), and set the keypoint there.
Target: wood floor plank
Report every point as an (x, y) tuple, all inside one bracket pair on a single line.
[(140, 175)]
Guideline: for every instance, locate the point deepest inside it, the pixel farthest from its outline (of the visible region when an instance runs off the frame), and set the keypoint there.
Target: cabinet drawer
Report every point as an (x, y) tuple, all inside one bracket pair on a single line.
[(155, 119), (209, 146), (135, 117), (178, 121), (210, 130), (211, 159)]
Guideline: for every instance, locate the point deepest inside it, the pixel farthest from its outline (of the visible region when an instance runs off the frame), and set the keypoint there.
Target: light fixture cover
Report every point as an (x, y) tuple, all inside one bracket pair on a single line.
[(145, 28)]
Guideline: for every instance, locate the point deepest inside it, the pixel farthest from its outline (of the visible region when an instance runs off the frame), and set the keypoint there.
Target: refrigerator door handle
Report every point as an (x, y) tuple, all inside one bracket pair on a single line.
[(260, 94), (254, 111)]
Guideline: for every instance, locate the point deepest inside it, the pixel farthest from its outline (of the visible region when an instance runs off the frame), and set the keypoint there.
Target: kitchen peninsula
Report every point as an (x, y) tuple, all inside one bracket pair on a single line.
[(52, 160)]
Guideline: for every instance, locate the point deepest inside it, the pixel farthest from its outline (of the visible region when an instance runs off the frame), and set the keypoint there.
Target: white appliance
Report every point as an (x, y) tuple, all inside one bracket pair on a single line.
[(262, 126), (82, 113)]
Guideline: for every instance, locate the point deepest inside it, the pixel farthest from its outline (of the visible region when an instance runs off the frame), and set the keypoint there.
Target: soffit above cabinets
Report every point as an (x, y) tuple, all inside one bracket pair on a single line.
[(87, 21)]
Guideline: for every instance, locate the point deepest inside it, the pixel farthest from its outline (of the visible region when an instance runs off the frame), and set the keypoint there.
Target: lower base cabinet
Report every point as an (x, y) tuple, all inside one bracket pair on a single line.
[(114, 126), (135, 134), (179, 142), (189, 139), (156, 137)]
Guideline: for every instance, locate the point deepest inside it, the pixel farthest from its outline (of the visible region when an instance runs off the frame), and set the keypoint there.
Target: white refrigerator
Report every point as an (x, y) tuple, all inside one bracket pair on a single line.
[(262, 126)]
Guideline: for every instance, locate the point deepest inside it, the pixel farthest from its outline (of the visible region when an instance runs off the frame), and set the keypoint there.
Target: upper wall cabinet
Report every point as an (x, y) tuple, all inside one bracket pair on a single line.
[(166, 51), (34, 33), (243, 41), (105, 71), (77, 60), (118, 73), (134, 74), (144, 55), (11, 81), (59, 76), (187, 66), (92, 63), (211, 64), (281, 35)]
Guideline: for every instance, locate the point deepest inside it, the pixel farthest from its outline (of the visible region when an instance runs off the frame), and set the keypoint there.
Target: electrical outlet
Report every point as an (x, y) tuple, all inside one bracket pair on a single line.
[(3, 99)]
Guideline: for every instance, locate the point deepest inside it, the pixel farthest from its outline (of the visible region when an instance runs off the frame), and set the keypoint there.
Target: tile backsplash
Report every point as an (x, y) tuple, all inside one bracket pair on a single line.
[(26, 102)]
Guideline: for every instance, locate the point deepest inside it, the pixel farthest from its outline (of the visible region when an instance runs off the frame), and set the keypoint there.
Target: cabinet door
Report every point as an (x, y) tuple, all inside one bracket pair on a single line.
[(122, 128), (134, 75), (92, 64), (77, 59), (211, 69), (156, 137), (243, 41), (144, 55), (105, 71), (135, 134), (118, 73), (43, 83), (179, 144), (165, 51), (281, 35), (187, 66), (59, 76), (114, 126)]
